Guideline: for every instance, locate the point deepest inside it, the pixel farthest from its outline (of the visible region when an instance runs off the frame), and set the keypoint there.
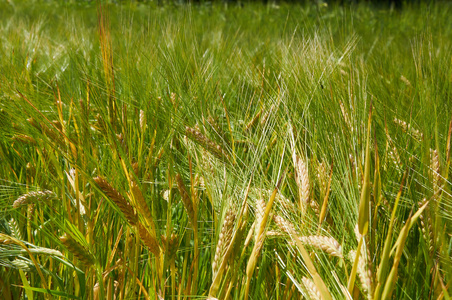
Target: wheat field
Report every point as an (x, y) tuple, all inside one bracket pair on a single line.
[(171, 150)]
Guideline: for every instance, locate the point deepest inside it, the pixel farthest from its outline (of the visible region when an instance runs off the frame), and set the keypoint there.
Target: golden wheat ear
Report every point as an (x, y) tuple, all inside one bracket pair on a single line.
[(118, 199), (77, 250)]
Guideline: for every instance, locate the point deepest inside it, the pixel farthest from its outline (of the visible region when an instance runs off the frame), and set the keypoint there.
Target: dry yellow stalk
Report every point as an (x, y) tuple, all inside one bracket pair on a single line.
[(311, 288), (77, 250), (118, 199), (33, 197)]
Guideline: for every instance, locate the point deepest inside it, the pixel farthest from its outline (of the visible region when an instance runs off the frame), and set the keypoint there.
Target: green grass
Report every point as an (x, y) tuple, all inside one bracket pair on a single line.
[(229, 152)]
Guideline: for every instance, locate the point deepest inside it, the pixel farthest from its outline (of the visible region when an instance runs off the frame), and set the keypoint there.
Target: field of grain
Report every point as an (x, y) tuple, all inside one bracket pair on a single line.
[(225, 151)]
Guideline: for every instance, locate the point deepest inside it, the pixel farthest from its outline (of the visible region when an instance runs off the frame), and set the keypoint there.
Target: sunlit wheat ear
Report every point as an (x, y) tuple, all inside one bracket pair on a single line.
[(206, 143), (345, 116), (148, 240), (302, 180), (260, 211), (22, 265), (223, 240), (142, 205), (77, 250), (186, 199), (34, 197), (364, 272), (15, 229), (118, 199), (311, 288), (406, 127), (427, 227), (406, 81), (327, 244), (142, 120)]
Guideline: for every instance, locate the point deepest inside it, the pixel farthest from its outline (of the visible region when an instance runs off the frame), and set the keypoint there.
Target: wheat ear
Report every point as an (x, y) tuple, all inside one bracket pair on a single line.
[(223, 240), (311, 288), (77, 250), (33, 197), (118, 199)]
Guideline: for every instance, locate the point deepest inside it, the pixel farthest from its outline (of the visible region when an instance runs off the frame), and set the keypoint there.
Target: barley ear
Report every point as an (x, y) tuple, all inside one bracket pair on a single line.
[(118, 199)]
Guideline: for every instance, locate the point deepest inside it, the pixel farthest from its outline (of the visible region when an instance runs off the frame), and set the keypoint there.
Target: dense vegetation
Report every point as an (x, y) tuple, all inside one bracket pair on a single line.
[(225, 151)]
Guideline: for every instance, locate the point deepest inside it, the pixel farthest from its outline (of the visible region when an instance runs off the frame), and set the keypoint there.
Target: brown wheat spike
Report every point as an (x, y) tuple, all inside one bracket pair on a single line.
[(135, 168), (148, 240), (208, 144), (118, 199), (327, 244), (142, 205), (223, 239), (77, 250), (302, 180), (170, 245), (364, 273), (311, 288), (186, 199), (33, 197)]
